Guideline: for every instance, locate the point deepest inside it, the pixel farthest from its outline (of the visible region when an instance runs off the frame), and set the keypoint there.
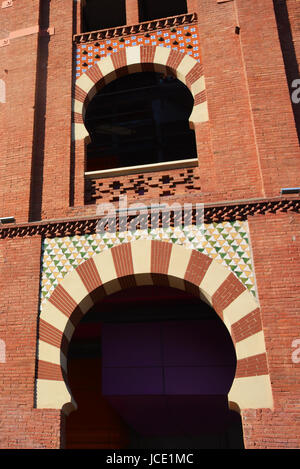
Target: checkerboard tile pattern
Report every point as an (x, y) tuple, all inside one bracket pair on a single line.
[(184, 39)]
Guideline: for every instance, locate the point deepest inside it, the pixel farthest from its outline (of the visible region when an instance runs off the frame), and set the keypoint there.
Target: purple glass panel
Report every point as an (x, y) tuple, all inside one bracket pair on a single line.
[(196, 343), (198, 380), (132, 381), (131, 344), (195, 357)]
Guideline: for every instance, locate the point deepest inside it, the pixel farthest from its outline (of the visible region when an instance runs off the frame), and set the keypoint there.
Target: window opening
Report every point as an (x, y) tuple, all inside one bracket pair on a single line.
[(155, 9), (150, 367), (97, 15), (140, 119)]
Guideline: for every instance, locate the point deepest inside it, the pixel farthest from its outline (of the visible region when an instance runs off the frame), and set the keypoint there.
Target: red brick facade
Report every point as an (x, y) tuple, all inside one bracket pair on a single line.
[(248, 150)]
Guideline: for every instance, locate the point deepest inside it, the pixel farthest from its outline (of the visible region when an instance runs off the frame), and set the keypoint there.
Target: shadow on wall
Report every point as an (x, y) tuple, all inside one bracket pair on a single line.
[(288, 53), (38, 145)]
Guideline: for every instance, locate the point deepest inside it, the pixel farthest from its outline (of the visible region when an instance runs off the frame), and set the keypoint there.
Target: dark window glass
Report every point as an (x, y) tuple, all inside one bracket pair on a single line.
[(140, 119), (102, 14), (154, 9)]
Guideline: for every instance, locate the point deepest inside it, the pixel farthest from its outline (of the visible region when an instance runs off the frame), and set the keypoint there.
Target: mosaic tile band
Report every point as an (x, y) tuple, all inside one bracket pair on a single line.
[(87, 54), (226, 242)]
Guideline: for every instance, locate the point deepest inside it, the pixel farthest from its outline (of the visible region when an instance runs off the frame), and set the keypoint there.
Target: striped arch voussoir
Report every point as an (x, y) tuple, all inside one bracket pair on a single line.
[(139, 59), (150, 262)]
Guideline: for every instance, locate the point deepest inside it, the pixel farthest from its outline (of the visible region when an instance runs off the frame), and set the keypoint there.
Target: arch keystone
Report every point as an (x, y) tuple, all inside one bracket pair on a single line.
[(133, 57), (179, 261), (141, 260)]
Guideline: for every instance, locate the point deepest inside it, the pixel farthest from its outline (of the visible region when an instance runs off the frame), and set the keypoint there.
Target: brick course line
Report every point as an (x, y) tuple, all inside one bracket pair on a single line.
[(160, 257), (230, 289), (61, 299), (247, 326), (197, 268), (89, 275), (49, 333), (47, 370), (122, 257), (255, 365)]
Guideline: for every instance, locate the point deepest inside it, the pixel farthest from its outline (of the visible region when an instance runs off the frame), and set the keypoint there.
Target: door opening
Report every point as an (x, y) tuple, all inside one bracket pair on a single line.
[(151, 367)]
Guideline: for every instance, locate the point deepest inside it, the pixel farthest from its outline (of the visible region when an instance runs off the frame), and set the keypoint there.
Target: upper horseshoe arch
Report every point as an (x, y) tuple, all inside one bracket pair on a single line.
[(151, 262), (139, 59)]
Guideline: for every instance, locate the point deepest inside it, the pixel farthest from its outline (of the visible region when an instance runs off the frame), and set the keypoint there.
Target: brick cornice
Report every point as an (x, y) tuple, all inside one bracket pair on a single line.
[(213, 213)]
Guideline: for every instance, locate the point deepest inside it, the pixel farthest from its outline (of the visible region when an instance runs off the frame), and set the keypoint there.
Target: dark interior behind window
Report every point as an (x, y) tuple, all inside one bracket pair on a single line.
[(154, 9), (102, 14), (142, 118)]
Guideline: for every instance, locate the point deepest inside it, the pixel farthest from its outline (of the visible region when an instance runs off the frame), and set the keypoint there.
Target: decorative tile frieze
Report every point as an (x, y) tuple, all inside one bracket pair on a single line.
[(226, 242), (179, 33)]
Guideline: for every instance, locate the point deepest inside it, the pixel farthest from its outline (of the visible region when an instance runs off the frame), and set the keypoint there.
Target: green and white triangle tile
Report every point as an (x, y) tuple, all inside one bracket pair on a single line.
[(213, 230), (199, 238), (170, 229), (105, 238), (250, 281), (199, 247), (83, 244), (182, 239), (152, 232), (179, 237), (99, 248), (141, 233), (226, 242), (174, 235)]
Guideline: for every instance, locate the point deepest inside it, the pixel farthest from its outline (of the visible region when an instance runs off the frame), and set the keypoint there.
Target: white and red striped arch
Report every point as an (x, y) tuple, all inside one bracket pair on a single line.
[(146, 262), (138, 59)]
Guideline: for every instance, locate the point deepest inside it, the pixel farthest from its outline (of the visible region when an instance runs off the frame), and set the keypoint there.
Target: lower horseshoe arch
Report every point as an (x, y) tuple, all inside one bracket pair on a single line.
[(151, 262)]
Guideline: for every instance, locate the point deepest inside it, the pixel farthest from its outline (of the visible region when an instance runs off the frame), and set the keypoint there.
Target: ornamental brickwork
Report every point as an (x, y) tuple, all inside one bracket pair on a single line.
[(239, 60)]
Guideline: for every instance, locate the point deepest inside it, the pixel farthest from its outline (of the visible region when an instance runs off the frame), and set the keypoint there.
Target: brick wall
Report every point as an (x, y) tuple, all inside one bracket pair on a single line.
[(132, 11), (287, 14), (276, 250), (22, 426), (275, 132), (249, 148), (18, 70), (57, 153)]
